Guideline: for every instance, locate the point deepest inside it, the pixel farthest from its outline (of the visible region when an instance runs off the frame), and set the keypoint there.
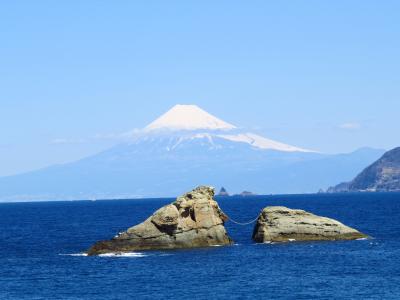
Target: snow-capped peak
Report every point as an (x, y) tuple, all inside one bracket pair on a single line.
[(188, 117), (190, 122)]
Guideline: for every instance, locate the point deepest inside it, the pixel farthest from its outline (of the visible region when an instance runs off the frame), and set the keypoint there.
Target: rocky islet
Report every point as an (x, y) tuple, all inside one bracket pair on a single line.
[(193, 220), (282, 224)]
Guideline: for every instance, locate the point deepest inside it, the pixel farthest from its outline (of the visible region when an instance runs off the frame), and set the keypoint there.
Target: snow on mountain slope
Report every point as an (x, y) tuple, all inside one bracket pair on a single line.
[(193, 118), (188, 117), (260, 142)]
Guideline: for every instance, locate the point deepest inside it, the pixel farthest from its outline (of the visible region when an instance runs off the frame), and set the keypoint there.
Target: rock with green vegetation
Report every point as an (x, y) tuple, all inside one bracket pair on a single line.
[(193, 220), (382, 176), (281, 224)]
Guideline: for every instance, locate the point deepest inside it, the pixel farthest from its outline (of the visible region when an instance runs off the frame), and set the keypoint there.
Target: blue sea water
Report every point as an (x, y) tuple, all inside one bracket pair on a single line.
[(40, 245)]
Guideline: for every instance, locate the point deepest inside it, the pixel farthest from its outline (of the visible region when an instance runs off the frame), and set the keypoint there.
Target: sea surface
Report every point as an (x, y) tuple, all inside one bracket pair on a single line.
[(41, 246)]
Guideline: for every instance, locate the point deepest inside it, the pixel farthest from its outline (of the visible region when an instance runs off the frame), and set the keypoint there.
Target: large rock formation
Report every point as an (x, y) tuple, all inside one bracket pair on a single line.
[(281, 224), (382, 176), (193, 220)]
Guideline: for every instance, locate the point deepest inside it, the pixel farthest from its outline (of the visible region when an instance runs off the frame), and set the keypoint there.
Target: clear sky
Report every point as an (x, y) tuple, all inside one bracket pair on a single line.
[(321, 75)]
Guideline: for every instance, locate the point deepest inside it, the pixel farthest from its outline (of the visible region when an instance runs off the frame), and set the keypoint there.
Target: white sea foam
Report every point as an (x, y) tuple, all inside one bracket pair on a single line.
[(75, 254), (362, 239), (120, 254), (291, 240), (123, 254)]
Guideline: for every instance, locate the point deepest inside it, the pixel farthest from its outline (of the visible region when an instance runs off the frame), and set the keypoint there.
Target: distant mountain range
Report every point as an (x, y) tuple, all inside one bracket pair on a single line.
[(184, 148), (382, 176)]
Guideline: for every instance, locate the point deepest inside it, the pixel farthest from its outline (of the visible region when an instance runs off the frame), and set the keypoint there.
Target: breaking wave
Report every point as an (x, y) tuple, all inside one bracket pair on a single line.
[(124, 254), (120, 254)]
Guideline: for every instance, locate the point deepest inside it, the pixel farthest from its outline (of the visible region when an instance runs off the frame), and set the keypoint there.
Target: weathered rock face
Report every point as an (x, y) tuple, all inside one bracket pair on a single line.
[(281, 224), (193, 220)]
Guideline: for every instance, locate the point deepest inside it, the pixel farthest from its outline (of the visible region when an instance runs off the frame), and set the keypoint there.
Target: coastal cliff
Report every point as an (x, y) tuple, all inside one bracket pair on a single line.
[(382, 176)]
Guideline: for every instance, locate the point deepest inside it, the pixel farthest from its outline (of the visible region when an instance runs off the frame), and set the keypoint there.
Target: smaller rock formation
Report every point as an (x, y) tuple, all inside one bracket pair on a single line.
[(247, 194), (193, 220), (340, 188), (223, 192), (281, 224)]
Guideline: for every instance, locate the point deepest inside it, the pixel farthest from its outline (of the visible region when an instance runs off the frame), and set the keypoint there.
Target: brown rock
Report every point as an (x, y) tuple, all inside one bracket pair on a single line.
[(193, 220), (281, 224)]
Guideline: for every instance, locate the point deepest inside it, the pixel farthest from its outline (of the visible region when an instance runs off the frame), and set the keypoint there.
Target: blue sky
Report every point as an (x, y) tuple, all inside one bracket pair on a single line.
[(317, 74)]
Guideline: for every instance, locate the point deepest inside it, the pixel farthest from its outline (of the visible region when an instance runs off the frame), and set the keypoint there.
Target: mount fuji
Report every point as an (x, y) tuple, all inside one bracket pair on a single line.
[(183, 148), (188, 117), (190, 120)]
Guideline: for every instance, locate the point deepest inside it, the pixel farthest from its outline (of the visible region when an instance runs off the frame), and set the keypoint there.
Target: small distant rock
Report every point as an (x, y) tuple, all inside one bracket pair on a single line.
[(193, 220), (281, 224), (340, 188), (223, 192), (247, 193)]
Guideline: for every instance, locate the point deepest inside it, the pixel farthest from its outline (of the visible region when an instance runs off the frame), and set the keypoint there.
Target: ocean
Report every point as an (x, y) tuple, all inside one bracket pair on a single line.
[(41, 245)]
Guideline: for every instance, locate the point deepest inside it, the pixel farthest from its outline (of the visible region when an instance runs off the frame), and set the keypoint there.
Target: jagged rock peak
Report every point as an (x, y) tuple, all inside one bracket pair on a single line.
[(223, 192)]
